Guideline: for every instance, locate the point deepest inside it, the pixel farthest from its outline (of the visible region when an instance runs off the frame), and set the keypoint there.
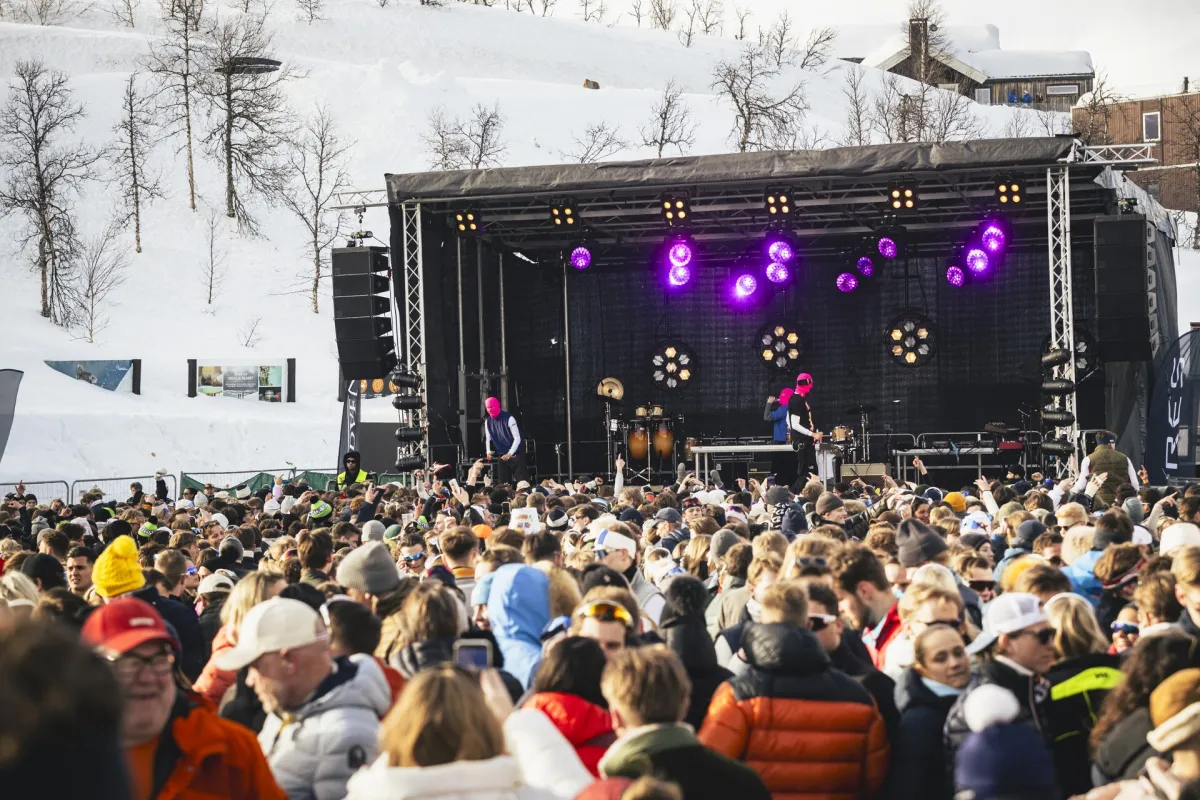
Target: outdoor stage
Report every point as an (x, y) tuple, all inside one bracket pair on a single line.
[(502, 311)]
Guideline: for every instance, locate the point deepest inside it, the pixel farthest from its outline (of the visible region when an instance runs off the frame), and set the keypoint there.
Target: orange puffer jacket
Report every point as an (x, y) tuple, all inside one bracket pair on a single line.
[(810, 731)]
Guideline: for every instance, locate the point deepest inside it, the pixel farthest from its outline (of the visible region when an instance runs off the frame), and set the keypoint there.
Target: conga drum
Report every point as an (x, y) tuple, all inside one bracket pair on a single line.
[(639, 441), (664, 439)]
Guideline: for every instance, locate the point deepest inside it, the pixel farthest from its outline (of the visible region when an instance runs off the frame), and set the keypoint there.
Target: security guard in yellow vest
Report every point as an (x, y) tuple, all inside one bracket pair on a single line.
[(351, 473)]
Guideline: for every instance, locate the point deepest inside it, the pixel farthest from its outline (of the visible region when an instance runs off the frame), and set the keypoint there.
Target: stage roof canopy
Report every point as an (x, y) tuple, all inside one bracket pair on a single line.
[(839, 195)]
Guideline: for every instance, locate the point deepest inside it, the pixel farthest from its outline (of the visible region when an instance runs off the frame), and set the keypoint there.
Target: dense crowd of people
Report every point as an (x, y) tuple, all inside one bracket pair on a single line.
[(1016, 638)]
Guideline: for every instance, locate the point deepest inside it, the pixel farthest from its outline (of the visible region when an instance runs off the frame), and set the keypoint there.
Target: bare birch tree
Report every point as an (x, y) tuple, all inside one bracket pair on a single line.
[(763, 119), (1053, 123), (779, 41), (44, 171), (137, 183), (123, 11), (818, 47), (638, 11), (857, 125), (317, 159), (1184, 116), (593, 10), (212, 268), (310, 11), (1019, 125), (102, 267), (596, 143), (174, 63), (742, 15), (671, 123), (49, 12), (1098, 108), (249, 124), (662, 14), (473, 143), (924, 113)]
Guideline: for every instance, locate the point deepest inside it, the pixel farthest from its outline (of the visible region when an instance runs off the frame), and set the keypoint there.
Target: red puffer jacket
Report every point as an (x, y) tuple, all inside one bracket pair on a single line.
[(587, 726)]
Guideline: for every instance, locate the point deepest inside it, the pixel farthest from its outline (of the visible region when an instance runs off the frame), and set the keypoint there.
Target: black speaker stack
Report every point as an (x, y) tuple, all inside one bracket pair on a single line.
[(1124, 249), (362, 309)]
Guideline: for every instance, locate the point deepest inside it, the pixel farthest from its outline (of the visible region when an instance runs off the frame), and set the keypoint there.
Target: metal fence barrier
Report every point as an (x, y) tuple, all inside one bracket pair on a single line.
[(118, 488), (44, 491), (256, 479)]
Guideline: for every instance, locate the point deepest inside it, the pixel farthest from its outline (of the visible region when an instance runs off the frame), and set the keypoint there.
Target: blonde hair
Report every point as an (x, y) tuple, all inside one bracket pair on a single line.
[(810, 546), (1077, 633), (772, 542), (648, 685), (920, 594), (251, 590), (933, 575), (1070, 514), (18, 586), (761, 564), (437, 720), (1076, 542), (787, 602), (1185, 565)]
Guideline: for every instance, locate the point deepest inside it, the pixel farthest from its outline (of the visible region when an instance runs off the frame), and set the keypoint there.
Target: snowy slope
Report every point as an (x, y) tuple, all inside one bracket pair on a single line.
[(380, 71)]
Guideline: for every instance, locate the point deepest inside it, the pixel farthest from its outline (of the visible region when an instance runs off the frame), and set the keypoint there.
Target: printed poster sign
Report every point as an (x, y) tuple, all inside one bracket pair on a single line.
[(261, 382), (111, 375)]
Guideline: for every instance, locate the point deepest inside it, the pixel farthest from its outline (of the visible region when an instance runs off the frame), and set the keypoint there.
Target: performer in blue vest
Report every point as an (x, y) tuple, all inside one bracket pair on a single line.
[(504, 440)]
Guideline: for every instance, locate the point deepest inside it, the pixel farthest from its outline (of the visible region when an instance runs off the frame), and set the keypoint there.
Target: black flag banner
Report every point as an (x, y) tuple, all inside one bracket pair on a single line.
[(1174, 418), (10, 382), (351, 414)]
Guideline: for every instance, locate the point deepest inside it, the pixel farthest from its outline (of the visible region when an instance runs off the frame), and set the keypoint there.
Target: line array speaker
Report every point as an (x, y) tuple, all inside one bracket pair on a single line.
[(362, 320)]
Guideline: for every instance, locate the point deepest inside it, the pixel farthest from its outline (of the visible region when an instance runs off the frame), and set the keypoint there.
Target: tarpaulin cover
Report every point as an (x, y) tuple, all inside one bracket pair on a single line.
[(845, 162)]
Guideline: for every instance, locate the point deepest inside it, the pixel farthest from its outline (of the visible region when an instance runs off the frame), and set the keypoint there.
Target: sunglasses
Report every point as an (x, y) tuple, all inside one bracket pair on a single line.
[(1127, 628), (605, 612), (1056, 561), (1045, 636), (982, 586), (413, 557), (956, 624), (192, 570), (812, 561), (819, 622)]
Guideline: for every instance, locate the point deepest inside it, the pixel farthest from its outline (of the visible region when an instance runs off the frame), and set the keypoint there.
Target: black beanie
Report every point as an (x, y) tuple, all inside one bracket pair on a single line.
[(1027, 532), (1114, 527), (918, 543)]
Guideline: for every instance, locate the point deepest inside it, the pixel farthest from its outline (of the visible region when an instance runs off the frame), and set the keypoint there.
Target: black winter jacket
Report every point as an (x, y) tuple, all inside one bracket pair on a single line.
[(858, 666), (1077, 688), (687, 635), (1031, 692), (918, 750), (187, 629)]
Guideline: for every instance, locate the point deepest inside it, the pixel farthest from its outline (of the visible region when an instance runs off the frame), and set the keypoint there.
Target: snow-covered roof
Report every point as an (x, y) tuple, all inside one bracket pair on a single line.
[(973, 50)]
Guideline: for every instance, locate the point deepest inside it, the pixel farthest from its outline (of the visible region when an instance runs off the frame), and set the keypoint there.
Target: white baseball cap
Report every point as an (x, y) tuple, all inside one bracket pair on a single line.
[(221, 520), (215, 583), (1181, 534), (611, 540), (277, 624), (1008, 613)]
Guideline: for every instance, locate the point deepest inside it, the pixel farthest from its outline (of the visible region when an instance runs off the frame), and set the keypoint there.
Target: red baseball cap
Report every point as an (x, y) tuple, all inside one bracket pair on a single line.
[(125, 624)]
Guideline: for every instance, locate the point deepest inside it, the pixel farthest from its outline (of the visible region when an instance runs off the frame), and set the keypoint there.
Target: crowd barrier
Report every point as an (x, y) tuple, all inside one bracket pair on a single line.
[(44, 491), (256, 479), (118, 488)]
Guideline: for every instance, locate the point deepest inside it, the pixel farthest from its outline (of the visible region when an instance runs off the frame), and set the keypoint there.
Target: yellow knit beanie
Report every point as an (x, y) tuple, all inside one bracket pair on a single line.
[(117, 571)]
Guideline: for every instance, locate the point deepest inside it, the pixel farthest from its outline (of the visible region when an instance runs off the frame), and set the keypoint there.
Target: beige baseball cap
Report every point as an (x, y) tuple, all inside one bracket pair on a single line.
[(277, 624)]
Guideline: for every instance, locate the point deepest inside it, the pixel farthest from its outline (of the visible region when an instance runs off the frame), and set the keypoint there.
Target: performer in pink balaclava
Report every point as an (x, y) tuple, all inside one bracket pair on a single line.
[(804, 433), (503, 438), (783, 464)]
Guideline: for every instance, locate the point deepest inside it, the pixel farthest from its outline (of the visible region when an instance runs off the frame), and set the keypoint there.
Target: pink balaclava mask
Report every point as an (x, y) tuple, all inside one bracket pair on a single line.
[(493, 407), (785, 395), (804, 384)]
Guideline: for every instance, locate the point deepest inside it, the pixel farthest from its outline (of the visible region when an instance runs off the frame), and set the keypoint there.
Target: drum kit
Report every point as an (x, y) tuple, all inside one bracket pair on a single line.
[(649, 435), (849, 442)]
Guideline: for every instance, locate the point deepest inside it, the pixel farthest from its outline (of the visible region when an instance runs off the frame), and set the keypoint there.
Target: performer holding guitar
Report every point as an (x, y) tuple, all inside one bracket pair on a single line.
[(802, 429)]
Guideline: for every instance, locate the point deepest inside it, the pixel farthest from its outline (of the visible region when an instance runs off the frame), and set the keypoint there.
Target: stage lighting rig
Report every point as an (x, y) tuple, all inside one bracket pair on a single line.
[(780, 251), (778, 203), (676, 210), (581, 256), (911, 338), (847, 282), (744, 287), (1009, 191), (563, 215), (887, 243), (955, 276), (468, 223), (673, 366), (680, 252), (902, 198), (778, 347), (1087, 353)]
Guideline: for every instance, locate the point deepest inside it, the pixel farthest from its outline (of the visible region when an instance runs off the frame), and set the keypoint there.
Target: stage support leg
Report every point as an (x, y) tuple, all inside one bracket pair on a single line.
[(1062, 307), (503, 336), (567, 364), (414, 314), (462, 357)]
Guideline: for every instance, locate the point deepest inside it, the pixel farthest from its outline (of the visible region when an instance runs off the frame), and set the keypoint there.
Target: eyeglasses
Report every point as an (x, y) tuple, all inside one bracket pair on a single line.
[(982, 586), (128, 666), (1045, 636), (1127, 628), (605, 612), (811, 561), (818, 622)]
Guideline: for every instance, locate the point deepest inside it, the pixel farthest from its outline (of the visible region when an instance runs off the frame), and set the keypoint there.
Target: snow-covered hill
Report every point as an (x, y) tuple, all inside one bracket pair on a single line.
[(380, 70)]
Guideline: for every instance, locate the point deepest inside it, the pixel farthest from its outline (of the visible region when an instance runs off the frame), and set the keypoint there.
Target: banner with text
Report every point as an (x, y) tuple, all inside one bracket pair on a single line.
[(265, 382), (1174, 416)]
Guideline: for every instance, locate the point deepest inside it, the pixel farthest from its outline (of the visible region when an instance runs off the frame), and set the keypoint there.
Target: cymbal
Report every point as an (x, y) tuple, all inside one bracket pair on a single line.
[(611, 389), (863, 409)]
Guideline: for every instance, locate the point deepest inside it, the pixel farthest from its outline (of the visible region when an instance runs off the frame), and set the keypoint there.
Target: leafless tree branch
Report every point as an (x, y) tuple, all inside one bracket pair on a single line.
[(671, 123), (763, 119), (597, 143), (102, 267)]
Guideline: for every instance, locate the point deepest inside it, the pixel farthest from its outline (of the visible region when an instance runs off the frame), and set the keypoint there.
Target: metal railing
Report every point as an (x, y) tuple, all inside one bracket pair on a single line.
[(44, 491), (118, 488), (229, 480)]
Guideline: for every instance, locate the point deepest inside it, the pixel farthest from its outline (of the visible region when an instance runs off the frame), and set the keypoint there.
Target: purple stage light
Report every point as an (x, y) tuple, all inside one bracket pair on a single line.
[(955, 276), (581, 257), (977, 261), (846, 282), (780, 251), (887, 247), (776, 272), (679, 275), (680, 254), (992, 238), (744, 286), (866, 266)]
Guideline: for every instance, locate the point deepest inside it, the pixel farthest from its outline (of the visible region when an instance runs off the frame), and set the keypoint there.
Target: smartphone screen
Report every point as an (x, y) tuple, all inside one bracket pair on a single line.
[(473, 654)]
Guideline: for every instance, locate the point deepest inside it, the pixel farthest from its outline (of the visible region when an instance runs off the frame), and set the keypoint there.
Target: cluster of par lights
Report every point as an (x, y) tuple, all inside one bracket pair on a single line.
[(980, 255), (876, 250)]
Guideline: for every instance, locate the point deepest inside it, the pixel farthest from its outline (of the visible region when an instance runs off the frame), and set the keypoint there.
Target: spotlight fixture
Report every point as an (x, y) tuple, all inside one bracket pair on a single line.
[(409, 463), (902, 197), (777, 273), (676, 209), (865, 266), (977, 260), (777, 346), (468, 222), (955, 276), (409, 433), (404, 380), (847, 282), (1008, 191), (1087, 353), (993, 236), (563, 215), (406, 402), (778, 202), (673, 366), (680, 253), (887, 246), (581, 257), (744, 287), (780, 248), (911, 339)]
